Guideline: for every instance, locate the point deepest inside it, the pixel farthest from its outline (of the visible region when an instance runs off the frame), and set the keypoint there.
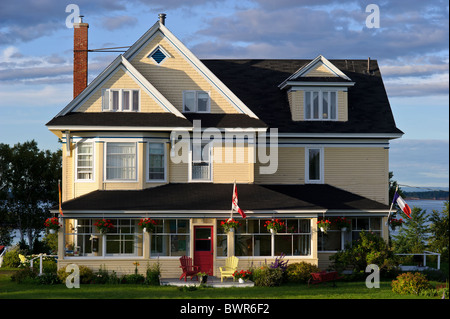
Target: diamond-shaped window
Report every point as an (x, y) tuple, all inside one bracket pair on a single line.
[(158, 55)]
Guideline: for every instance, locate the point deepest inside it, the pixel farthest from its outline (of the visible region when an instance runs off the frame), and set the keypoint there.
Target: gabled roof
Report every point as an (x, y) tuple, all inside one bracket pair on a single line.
[(161, 29), (120, 63), (256, 82), (206, 196)]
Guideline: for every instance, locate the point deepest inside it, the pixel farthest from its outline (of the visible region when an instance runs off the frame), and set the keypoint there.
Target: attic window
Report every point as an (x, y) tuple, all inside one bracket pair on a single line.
[(158, 55)]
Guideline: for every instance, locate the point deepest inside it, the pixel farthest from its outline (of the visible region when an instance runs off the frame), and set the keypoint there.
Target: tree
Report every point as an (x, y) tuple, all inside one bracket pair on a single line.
[(393, 185), (28, 186), (439, 228), (413, 235)]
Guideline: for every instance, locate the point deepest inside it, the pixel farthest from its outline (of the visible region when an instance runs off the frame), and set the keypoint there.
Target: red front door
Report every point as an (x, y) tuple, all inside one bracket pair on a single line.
[(203, 248)]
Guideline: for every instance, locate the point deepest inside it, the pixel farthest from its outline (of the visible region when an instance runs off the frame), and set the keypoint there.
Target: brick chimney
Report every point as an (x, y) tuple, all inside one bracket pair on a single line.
[(80, 56)]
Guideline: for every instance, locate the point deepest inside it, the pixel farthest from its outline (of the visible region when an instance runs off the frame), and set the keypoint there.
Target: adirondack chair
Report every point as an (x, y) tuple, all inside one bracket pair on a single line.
[(231, 264), (188, 268)]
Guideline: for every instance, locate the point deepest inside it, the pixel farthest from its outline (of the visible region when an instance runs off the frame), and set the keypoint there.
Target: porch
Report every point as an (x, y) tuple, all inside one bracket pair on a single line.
[(213, 282)]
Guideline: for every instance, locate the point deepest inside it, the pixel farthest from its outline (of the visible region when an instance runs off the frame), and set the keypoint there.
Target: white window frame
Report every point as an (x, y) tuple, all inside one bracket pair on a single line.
[(321, 165), (84, 180), (321, 92), (105, 161), (191, 162), (160, 48), (148, 180), (208, 107), (120, 106)]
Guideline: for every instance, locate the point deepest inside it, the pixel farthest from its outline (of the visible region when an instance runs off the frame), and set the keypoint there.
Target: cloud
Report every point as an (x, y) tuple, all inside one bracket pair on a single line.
[(113, 23), (420, 162)]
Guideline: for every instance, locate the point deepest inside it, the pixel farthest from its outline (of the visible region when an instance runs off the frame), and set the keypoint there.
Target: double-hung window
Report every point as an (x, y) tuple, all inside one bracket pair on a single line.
[(121, 161), (314, 165), (196, 101), (120, 100), (321, 105), (201, 162), (85, 161), (156, 162)]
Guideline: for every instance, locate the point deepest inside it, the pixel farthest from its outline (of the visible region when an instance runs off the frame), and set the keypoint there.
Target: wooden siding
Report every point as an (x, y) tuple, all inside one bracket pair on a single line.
[(296, 103), (175, 75), (233, 164), (363, 171), (121, 80), (342, 106), (291, 168)]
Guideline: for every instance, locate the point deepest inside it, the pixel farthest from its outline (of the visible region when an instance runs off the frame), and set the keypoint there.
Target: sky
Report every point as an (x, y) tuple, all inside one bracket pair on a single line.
[(410, 43)]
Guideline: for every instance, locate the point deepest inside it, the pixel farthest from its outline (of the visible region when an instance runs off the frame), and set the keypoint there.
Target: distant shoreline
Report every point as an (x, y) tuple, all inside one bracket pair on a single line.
[(430, 195)]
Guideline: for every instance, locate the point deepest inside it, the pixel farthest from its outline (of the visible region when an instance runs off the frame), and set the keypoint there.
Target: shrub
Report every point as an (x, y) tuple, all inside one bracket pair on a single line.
[(300, 272), (268, 277), (153, 274), (86, 275), (368, 249), (133, 279), (11, 259), (409, 283), (24, 275)]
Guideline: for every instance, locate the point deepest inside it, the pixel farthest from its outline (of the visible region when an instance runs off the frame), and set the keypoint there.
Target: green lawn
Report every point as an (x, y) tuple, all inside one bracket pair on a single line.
[(344, 290)]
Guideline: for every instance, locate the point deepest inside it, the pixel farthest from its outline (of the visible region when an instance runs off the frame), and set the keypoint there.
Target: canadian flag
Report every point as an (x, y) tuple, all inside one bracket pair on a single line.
[(234, 201)]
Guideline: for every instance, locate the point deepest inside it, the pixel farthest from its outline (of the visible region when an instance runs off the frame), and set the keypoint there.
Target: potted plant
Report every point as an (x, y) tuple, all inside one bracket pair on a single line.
[(324, 224), (274, 225), (52, 224), (342, 223), (203, 277), (104, 226), (147, 224), (230, 225), (396, 223), (242, 275)]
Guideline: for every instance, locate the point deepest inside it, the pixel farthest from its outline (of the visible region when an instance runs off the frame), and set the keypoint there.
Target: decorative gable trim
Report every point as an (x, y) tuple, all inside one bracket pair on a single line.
[(120, 63), (161, 29), (303, 71)]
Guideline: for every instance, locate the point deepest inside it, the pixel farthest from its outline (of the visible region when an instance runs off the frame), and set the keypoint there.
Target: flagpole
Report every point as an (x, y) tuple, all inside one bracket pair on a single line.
[(232, 205), (392, 204)]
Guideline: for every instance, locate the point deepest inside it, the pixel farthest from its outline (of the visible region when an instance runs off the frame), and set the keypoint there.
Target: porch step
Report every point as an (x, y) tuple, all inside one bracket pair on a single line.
[(212, 282)]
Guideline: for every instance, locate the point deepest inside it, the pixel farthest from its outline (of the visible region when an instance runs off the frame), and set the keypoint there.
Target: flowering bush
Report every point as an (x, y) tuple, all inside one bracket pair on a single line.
[(409, 283), (396, 222), (229, 224), (104, 225), (275, 224), (324, 224), (243, 274), (341, 222), (147, 223), (52, 223)]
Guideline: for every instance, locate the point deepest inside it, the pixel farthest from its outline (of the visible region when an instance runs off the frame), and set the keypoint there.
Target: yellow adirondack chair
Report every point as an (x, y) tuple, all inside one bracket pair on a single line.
[(231, 264)]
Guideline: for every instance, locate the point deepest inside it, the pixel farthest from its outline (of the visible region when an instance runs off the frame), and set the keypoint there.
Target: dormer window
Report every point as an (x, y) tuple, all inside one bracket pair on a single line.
[(158, 55), (321, 105), (196, 102)]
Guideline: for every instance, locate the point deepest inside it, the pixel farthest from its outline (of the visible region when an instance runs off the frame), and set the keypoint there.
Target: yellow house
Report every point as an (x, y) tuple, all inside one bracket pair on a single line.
[(162, 135)]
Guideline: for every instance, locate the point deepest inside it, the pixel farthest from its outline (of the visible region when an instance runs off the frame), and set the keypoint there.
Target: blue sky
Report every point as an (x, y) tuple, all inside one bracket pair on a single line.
[(411, 46)]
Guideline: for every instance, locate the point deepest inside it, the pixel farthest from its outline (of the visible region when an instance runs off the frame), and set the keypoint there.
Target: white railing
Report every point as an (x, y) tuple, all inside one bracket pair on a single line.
[(40, 261), (425, 254)]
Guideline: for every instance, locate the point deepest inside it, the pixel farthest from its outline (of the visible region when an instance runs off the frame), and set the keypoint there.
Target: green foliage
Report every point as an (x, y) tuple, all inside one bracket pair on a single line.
[(28, 186), (439, 228), (152, 275), (268, 277), (300, 272), (368, 249), (86, 274), (24, 275), (410, 284), (11, 259), (133, 279), (412, 236)]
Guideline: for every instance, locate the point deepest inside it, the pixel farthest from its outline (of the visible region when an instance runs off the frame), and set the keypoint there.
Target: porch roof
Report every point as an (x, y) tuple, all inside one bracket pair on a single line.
[(207, 196)]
